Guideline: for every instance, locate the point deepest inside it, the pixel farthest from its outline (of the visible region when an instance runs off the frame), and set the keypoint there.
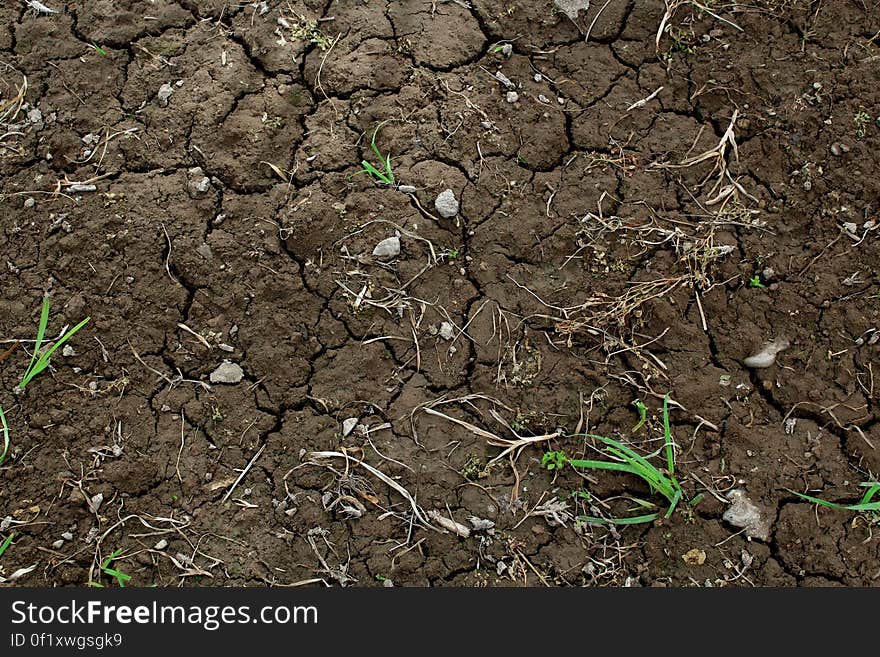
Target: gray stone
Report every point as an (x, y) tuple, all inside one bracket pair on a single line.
[(571, 7), (164, 94), (198, 182), (446, 204), (205, 251), (407, 189), (512, 96), (387, 248), (227, 372), (447, 331), (743, 513), (348, 425)]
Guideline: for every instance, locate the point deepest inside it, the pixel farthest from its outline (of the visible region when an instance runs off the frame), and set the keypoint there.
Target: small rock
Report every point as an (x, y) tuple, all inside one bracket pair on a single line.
[(205, 251), (542, 98), (446, 204), (744, 514), (767, 356), (29, 202), (486, 125), (538, 77), (503, 79), (34, 116), (387, 248), (68, 351), (447, 331), (387, 583), (348, 425), (507, 49), (95, 502), (58, 544), (164, 94), (481, 524), (161, 545), (407, 189), (198, 183), (227, 372), (512, 96), (571, 7), (67, 536), (836, 150)]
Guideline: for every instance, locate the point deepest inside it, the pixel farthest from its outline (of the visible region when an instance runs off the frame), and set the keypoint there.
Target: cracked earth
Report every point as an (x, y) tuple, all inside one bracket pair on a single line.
[(589, 265)]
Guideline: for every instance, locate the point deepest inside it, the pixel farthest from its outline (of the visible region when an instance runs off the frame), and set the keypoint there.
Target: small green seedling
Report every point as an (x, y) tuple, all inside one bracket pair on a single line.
[(625, 459), (120, 577), (643, 414), (862, 119), (755, 281), (6, 544), (385, 175), (99, 49), (41, 362), (453, 254), (866, 504), (5, 436)]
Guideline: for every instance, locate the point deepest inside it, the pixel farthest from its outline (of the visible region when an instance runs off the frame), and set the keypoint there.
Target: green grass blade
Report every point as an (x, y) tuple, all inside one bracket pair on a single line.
[(872, 486), (603, 465), (5, 436), (41, 332), (635, 520), (6, 544), (862, 506), (43, 361), (670, 442)]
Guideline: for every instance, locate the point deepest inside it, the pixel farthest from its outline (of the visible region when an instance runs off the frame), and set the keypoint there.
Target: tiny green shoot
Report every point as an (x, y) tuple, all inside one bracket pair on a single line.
[(41, 362), (755, 281), (120, 577), (643, 414), (5, 544), (383, 175), (99, 49), (625, 459)]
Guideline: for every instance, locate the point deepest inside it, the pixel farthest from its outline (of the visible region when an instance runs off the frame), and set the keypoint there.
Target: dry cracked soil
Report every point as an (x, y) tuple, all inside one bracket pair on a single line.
[(648, 193)]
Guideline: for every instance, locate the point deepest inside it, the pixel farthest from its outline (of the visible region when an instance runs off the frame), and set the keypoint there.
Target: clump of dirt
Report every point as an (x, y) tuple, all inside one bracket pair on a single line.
[(263, 397)]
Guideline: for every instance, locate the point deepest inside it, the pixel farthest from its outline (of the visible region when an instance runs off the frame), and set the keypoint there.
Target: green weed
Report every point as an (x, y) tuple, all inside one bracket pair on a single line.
[(643, 414), (385, 175), (755, 281), (861, 119), (40, 362), (625, 459), (6, 544), (120, 577)]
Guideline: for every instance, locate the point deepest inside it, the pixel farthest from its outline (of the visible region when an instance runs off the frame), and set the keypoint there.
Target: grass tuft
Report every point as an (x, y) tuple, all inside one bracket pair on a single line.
[(625, 459), (40, 362), (385, 174)]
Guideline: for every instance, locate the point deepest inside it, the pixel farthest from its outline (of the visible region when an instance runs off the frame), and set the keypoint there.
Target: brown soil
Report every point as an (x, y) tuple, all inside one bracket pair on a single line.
[(571, 204)]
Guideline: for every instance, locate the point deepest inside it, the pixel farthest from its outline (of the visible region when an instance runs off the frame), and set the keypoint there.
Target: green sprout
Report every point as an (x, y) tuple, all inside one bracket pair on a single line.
[(6, 544), (643, 414), (385, 175), (41, 362), (99, 49), (625, 459), (861, 119), (120, 577), (755, 281), (453, 254)]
